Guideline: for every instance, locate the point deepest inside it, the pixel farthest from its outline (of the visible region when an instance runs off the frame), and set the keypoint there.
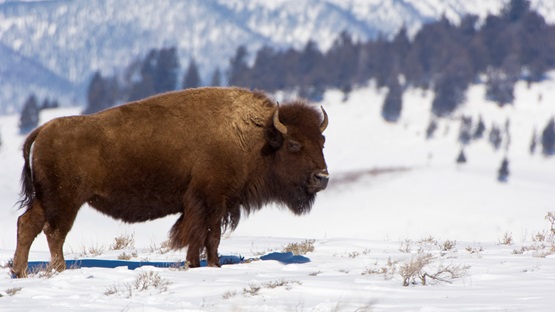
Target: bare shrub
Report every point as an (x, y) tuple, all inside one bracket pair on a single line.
[(421, 269), (43, 271), (7, 265), (144, 281), (12, 291), (474, 250), (448, 246), (550, 217), (388, 270), (92, 251), (254, 289), (541, 236), (164, 247), (406, 246), (124, 241), (147, 280), (507, 239), (125, 256), (300, 248), (229, 294)]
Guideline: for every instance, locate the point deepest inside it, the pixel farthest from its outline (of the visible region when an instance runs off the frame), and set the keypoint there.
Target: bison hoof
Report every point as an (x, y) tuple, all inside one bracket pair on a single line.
[(214, 265)]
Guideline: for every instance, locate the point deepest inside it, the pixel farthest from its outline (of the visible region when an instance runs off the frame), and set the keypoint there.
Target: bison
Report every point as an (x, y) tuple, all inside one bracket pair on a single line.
[(208, 154)]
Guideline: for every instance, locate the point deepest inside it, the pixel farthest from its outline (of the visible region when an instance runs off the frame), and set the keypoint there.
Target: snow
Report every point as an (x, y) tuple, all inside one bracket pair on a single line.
[(394, 197)]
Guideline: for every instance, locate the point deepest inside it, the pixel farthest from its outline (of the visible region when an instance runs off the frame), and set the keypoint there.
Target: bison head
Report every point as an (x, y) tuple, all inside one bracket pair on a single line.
[(299, 167)]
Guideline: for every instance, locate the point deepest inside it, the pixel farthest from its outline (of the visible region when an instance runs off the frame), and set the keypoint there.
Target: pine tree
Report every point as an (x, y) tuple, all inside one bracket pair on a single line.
[(503, 172), (29, 118), (548, 138), (238, 68), (466, 128), (392, 105), (495, 137), (500, 83), (216, 78), (431, 129), (533, 142), (101, 94), (461, 159), (192, 77), (480, 128), (166, 69)]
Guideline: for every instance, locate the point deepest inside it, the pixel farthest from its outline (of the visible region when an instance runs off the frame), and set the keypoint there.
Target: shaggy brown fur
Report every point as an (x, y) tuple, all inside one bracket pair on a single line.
[(208, 153)]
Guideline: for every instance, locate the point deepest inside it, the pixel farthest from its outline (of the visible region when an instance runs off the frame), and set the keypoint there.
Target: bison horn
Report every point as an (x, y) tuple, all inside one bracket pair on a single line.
[(277, 124), (324, 123)]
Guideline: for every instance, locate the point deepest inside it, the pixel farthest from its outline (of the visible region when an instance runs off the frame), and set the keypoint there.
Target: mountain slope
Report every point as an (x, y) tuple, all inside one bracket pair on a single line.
[(72, 39)]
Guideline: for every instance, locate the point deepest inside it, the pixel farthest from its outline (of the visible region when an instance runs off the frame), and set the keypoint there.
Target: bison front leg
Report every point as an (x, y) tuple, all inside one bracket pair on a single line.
[(212, 243)]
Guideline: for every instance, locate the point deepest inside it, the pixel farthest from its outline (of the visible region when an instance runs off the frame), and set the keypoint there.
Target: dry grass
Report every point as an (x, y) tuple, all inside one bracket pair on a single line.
[(164, 247), (125, 256), (143, 282), (12, 291), (124, 241), (92, 251), (507, 239), (388, 270), (254, 289), (301, 248)]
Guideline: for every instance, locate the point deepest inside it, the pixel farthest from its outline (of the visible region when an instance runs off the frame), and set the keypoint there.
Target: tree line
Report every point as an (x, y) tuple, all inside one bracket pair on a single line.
[(443, 57), (516, 45)]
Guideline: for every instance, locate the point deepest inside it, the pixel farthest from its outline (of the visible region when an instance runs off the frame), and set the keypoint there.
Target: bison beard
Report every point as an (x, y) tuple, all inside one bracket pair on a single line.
[(209, 154)]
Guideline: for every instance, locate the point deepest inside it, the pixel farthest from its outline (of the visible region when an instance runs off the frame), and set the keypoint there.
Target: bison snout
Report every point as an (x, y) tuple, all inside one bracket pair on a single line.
[(319, 180)]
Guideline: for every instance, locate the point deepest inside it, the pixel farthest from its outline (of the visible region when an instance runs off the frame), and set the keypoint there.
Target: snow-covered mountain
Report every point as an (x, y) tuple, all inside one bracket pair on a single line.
[(52, 47)]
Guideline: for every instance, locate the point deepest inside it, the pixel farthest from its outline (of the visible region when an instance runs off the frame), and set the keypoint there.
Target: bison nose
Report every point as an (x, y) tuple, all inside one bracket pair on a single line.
[(320, 180)]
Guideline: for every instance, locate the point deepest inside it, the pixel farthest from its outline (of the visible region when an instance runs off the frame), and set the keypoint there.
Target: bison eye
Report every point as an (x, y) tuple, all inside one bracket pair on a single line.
[(294, 146)]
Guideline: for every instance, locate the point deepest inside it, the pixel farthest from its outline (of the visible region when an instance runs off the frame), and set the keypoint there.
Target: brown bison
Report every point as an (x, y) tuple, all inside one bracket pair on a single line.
[(209, 154)]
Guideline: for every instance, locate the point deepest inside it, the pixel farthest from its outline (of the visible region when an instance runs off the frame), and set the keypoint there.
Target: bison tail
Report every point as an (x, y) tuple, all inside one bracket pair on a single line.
[(27, 189)]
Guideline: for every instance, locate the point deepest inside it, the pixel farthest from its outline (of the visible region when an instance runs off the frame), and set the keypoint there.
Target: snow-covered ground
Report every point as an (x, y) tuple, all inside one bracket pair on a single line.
[(394, 197)]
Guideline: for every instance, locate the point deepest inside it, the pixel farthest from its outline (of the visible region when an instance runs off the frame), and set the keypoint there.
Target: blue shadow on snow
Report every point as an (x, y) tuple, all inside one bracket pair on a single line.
[(282, 257)]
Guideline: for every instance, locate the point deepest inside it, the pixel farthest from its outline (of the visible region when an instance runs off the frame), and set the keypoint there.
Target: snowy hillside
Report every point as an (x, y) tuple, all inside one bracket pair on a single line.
[(394, 198), (69, 40)]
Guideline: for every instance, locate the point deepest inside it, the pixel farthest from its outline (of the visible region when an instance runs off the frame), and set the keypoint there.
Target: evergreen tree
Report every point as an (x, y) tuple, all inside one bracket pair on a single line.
[(392, 105), (515, 10), (216, 78), (48, 104), (192, 77), (238, 68), (101, 94), (262, 74), (448, 95), (431, 129), (503, 171), (461, 159), (495, 137), (548, 138), (533, 142), (165, 70), (480, 128), (143, 84), (466, 128), (29, 118)]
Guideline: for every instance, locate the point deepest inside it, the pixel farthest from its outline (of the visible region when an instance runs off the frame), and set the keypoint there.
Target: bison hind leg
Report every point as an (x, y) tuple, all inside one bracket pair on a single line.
[(29, 225), (188, 233)]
